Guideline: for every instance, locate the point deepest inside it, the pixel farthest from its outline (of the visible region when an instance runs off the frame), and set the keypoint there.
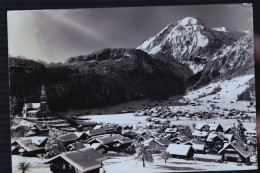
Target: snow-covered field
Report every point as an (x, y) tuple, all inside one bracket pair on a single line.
[(130, 165), (230, 89), (36, 165)]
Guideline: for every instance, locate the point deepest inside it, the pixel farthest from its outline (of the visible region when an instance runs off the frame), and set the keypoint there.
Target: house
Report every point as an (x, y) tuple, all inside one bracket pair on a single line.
[(215, 127), (39, 129), (130, 134), (96, 132), (29, 146), (201, 135), (202, 127), (230, 130), (144, 136), (236, 151), (197, 145), (216, 140), (114, 142), (81, 135), (68, 138), (163, 142), (180, 151), (179, 140), (87, 160), (75, 146), (31, 110), (183, 132)]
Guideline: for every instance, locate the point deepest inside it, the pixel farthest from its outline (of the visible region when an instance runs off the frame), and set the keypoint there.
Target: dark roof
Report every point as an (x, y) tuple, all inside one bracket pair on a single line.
[(163, 141), (234, 129), (95, 132), (77, 145), (41, 126), (84, 160), (185, 132), (124, 140), (241, 147), (69, 137), (145, 137), (108, 139), (130, 133)]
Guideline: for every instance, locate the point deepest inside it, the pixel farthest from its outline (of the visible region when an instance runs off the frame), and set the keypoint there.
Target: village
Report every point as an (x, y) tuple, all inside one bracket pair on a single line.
[(156, 141)]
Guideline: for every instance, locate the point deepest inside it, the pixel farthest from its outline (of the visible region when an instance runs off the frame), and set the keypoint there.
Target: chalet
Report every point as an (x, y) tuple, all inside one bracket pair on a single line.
[(215, 127), (96, 132), (180, 151), (179, 140), (39, 129), (68, 138), (29, 146), (114, 142), (183, 132), (130, 134), (201, 135), (143, 137), (216, 140), (110, 129), (197, 145), (236, 151), (163, 142), (202, 127), (83, 161), (75, 146), (230, 130), (31, 110), (81, 135)]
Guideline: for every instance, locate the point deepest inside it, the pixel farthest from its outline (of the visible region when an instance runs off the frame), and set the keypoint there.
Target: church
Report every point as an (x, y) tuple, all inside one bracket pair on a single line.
[(36, 110)]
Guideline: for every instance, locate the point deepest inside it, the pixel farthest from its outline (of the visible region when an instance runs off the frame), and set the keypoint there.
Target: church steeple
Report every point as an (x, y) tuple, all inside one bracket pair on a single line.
[(44, 111), (43, 95)]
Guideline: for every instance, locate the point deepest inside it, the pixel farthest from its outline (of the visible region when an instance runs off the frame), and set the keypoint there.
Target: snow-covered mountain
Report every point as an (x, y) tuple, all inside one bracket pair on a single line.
[(190, 42)]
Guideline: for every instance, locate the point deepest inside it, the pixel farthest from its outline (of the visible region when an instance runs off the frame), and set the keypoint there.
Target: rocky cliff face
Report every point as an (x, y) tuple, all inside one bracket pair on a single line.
[(190, 42)]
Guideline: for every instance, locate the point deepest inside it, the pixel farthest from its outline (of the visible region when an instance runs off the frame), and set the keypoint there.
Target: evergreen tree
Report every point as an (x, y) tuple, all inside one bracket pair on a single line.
[(240, 133)]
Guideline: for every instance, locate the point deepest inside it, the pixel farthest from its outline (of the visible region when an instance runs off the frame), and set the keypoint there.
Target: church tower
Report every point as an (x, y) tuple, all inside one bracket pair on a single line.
[(43, 107)]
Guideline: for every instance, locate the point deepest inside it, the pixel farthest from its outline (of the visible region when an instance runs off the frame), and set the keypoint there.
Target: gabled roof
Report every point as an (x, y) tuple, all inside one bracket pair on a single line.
[(199, 126), (41, 126), (199, 133), (145, 137), (38, 140), (124, 140), (95, 132), (163, 141), (76, 146), (107, 139), (68, 137), (178, 149), (184, 132), (234, 129), (27, 144), (240, 146), (220, 135), (84, 160), (213, 127), (182, 139), (130, 133), (79, 134)]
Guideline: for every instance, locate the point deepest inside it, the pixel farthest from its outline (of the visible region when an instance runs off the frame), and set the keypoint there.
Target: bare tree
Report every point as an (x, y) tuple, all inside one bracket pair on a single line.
[(24, 166), (144, 154), (165, 155)]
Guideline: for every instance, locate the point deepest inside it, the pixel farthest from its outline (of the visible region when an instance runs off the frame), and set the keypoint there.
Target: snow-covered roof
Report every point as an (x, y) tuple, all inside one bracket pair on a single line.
[(214, 126), (32, 105), (171, 130), (199, 147), (178, 149), (38, 140), (198, 133)]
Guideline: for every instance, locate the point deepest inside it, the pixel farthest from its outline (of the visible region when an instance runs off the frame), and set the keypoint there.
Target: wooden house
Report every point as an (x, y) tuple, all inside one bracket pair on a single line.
[(215, 127), (201, 135), (39, 129), (197, 145), (96, 132), (208, 157), (236, 151), (230, 130), (180, 151), (216, 140), (29, 146), (130, 134), (68, 138), (202, 127), (75, 146), (83, 161)]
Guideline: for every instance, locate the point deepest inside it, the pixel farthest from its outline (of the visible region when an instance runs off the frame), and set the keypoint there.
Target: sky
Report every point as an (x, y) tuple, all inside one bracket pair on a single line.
[(56, 35)]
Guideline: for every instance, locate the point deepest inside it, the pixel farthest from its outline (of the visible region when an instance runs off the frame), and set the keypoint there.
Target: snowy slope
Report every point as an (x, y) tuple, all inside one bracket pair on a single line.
[(190, 42)]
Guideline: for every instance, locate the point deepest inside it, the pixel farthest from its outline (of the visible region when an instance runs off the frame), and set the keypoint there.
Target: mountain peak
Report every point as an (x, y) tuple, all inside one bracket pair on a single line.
[(190, 21)]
